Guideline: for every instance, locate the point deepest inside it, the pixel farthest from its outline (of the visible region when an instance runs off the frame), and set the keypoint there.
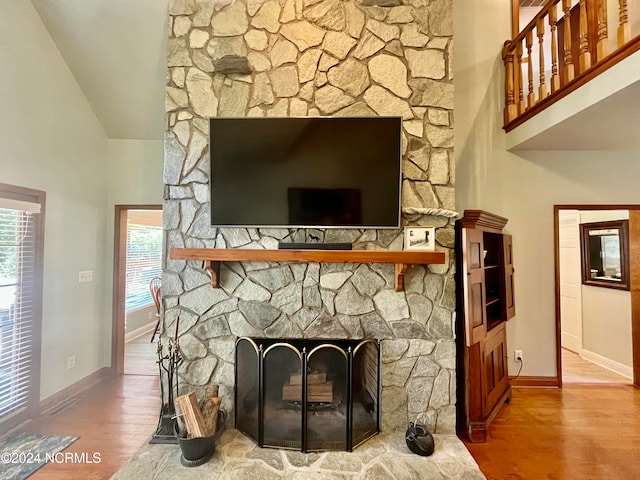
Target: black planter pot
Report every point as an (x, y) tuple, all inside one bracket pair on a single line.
[(198, 451), (419, 439)]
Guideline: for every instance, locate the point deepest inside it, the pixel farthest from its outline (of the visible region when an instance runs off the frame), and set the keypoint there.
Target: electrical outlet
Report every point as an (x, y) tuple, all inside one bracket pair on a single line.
[(85, 276), (517, 354), (71, 362)]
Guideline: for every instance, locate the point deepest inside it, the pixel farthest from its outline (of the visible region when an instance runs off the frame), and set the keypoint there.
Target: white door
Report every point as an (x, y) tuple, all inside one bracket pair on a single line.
[(570, 281)]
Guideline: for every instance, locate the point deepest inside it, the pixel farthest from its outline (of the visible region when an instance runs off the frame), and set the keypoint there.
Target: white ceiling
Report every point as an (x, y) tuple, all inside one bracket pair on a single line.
[(116, 49)]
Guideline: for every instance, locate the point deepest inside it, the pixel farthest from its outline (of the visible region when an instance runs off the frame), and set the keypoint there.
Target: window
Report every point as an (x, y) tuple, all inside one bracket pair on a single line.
[(21, 247), (144, 261), (605, 258)]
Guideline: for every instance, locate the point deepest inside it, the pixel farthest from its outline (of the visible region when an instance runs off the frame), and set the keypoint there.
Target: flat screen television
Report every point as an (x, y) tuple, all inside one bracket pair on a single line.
[(306, 172)]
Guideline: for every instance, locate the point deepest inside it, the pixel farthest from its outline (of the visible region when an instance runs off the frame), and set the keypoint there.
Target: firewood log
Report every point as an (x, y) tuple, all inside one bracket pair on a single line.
[(210, 409), (187, 405), (211, 391)]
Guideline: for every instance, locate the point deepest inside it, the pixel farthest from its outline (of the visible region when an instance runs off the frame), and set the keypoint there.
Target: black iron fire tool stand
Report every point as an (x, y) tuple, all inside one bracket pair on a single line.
[(168, 367)]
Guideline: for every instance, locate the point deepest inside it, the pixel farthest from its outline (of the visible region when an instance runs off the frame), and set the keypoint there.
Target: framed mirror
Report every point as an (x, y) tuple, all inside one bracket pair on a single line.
[(605, 254)]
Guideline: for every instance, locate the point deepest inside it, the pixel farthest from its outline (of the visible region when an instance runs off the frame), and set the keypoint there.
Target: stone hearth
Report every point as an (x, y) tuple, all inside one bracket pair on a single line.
[(385, 457)]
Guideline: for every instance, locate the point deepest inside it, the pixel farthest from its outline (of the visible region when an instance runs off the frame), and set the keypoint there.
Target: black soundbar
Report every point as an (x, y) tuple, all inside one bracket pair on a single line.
[(314, 246)]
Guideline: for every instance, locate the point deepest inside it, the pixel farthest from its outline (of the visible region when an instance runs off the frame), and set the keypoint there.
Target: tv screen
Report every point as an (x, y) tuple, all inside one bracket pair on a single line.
[(306, 172)]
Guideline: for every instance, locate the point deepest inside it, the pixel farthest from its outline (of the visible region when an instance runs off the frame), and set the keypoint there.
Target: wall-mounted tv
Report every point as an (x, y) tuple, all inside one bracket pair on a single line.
[(306, 172)]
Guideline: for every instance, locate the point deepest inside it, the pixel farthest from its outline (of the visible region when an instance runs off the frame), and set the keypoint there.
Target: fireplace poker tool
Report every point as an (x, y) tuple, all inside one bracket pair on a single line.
[(168, 364)]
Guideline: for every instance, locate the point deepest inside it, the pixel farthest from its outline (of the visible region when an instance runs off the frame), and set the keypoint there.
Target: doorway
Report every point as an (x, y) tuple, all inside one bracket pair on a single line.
[(597, 327), (138, 258)]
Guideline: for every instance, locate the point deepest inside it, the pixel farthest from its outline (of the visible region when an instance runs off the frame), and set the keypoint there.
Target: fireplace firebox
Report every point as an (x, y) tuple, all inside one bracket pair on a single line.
[(307, 395)]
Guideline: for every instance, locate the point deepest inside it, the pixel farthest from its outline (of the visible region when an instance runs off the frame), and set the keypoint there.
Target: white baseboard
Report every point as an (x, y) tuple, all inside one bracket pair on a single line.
[(570, 342), (607, 363), (139, 331)]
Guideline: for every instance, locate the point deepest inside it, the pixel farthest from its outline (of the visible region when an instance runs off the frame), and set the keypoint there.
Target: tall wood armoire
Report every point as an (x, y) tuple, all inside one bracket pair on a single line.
[(485, 303)]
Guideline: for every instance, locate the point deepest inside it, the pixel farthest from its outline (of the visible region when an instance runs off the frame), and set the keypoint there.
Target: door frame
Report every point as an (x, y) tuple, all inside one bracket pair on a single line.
[(119, 283), (634, 274)]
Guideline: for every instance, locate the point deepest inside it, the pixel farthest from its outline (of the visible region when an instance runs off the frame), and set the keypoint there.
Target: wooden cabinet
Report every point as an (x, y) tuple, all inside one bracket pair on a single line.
[(485, 302)]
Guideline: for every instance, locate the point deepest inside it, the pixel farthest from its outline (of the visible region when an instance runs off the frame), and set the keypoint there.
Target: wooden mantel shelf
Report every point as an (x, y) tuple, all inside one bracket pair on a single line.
[(213, 256)]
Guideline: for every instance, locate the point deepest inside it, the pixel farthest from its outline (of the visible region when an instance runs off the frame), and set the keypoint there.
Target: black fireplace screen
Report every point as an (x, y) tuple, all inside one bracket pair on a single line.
[(308, 395)]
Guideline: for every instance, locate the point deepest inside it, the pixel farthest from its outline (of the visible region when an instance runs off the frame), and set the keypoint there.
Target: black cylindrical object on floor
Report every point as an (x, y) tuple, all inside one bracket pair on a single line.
[(198, 451)]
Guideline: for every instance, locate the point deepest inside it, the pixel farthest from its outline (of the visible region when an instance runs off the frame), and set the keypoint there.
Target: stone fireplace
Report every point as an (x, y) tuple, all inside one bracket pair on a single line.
[(306, 58)]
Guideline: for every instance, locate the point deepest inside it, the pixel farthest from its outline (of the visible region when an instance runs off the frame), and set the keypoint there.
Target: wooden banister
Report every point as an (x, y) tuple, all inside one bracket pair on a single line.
[(624, 30), (509, 87), (568, 56), (518, 65), (585, 53), (542, 87), (603, 30), (531, 97), (578, 33), (553, 25)]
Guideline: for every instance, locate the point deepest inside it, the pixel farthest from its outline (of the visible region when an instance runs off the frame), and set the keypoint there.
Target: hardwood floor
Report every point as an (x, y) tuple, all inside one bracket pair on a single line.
[(579, 432), (140, 356), (576, 369), (113, 418)]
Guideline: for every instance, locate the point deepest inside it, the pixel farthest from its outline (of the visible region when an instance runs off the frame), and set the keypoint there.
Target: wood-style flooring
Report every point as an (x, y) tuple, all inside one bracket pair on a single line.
[(576, 369), (113, 418), (140, 355), (579, 432)]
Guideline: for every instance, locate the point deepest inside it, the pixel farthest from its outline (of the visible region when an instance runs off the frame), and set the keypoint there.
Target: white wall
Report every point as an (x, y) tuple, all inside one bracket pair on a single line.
[(134, 173), (522, 187), (606, 313), (606, 329), (51, 140)]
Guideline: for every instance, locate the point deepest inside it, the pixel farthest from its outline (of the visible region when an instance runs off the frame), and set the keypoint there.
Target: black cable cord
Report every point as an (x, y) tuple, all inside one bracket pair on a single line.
[(519, 370)]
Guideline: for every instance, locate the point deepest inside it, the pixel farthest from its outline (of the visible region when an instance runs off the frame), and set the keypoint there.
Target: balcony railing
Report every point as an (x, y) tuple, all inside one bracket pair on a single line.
[(565, 45)]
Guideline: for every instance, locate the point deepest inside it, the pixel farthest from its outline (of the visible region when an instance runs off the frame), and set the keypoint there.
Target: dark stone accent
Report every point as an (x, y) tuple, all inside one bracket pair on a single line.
[(212, 328), (416, 144), (326, 326), (232, 64), (408, 329), (381, 3), (374, 326), (260, 314), (395, 47)]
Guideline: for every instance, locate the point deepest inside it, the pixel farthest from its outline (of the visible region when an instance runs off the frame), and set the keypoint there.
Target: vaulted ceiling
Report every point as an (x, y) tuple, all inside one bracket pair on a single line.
[(116, 50)]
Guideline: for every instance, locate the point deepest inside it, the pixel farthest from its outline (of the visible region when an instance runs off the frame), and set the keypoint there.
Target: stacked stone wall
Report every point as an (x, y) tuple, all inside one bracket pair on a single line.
[(236, 58)]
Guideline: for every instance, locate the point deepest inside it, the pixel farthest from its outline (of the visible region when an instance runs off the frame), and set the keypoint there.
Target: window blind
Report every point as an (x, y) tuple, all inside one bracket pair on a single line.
[(17, 280), (144, 261)]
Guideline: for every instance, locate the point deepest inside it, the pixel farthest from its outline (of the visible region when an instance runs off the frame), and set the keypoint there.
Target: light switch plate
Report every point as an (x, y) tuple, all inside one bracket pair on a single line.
[(85, 276)]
